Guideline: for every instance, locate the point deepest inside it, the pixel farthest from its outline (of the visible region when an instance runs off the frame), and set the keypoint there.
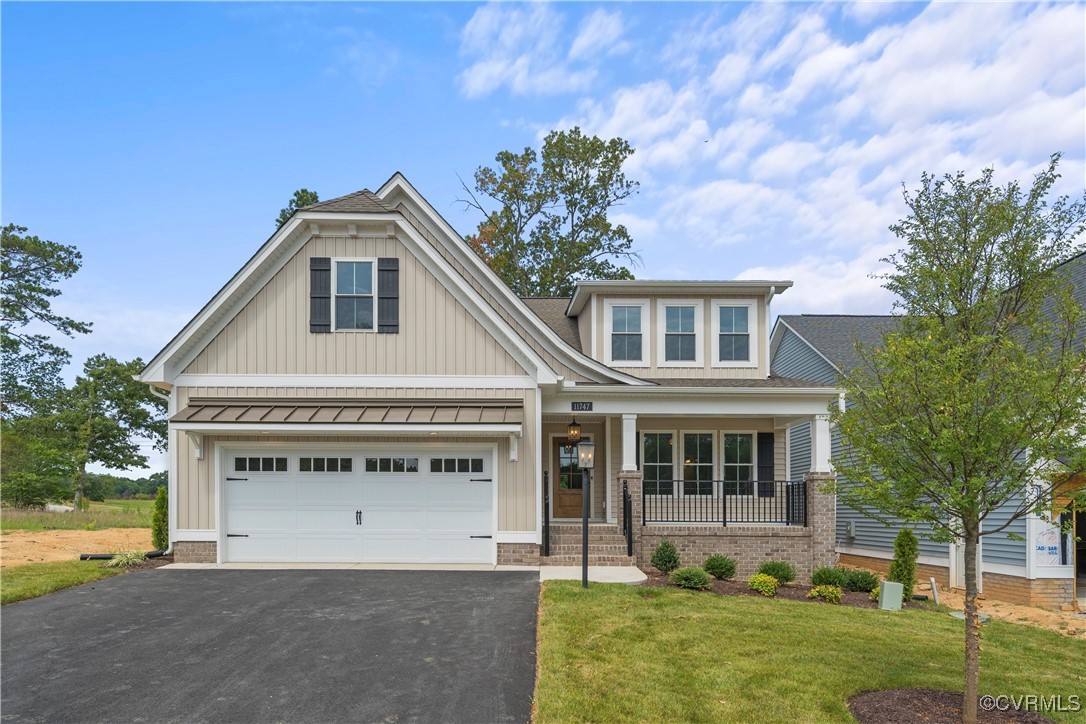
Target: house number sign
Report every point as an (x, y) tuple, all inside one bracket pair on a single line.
[(582, 406)]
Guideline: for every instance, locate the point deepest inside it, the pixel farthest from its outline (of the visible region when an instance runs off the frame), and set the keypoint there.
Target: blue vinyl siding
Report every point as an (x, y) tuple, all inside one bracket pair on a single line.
[(794, 358), (799, 451), (998, 547)]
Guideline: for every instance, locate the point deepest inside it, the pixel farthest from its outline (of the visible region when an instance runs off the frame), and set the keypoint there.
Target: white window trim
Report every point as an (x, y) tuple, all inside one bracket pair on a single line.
[(675, 443), (373, 292), (608, 322), (754, 330), (681, 472), (753, 460), (699, 332)]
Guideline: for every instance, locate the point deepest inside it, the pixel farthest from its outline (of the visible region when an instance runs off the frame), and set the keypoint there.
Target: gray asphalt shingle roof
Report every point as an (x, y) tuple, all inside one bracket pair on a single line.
[(835, 335), (360, 202), (552, 310)]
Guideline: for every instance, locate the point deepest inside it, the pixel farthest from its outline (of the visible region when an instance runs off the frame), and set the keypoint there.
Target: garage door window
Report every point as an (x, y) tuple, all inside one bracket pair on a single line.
[(392, 465), (456, 465), (325, 465), (260, 465)]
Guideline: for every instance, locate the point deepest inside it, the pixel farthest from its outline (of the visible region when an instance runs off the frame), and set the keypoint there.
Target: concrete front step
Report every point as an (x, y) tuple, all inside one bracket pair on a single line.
[(602, 550)]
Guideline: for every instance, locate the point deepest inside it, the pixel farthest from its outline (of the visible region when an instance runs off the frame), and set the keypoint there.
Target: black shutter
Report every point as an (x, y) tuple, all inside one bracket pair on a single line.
[(320, 294), (766, 489), (388, 296)]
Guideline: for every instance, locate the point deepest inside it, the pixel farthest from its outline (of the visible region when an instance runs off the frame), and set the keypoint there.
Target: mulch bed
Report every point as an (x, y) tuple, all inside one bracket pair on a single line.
[(152, 563), (892, 706), (791, 591)]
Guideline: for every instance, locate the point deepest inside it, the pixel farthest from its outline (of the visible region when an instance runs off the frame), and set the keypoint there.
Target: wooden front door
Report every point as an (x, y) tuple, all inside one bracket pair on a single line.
[(568, 482)]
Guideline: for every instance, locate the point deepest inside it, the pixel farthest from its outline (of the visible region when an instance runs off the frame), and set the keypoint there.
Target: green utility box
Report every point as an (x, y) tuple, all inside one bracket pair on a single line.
[(890, 594)]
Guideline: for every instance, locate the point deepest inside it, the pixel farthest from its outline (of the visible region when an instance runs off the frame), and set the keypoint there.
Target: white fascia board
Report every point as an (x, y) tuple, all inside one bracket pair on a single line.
[(712, 406), (498, 288), (196, 534), (519, 382), (301, 428), (583, 391)]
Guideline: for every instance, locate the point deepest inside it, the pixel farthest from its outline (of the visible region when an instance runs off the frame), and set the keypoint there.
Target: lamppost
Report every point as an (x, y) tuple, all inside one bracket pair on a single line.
[(586, 455)]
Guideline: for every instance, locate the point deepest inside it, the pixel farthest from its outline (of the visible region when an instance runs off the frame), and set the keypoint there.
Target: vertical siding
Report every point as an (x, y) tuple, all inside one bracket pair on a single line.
[(197, 507), (796, 359), (270, 335)]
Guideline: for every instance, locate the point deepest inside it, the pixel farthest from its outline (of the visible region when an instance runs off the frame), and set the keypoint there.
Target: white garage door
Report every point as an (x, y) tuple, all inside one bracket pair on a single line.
[(375, 507)]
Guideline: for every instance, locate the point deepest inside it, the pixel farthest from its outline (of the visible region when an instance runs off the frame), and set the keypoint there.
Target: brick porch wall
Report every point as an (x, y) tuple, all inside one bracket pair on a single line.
[(187, 551), (518, 554)]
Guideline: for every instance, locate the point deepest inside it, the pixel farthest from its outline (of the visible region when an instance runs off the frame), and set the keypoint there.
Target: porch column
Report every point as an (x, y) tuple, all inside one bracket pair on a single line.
[(822, 518), (820, 445), (629, 443)]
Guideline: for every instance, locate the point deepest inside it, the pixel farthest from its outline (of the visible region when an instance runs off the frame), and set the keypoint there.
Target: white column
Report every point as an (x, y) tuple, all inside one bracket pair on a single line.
[(629, 443), (820, 444)]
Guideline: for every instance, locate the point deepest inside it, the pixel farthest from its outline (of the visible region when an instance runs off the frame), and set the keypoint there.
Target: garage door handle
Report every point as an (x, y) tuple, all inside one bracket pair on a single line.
[(237, 478), (481, 536), (358, 517), (237, 535), (481, 480)]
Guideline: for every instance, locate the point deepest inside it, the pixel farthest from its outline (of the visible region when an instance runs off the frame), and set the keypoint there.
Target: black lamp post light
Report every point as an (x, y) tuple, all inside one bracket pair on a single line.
[(586, 455)]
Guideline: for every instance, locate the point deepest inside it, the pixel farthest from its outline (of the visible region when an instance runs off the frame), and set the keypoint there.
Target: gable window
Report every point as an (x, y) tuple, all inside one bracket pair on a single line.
[(697, 463), (354, 294), (679, 324), (658, 470), (738, 463), (733, 345), (626, 327)]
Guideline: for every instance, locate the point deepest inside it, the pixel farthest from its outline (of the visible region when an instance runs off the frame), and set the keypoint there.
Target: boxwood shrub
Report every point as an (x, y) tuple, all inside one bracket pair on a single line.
[(862, 581), (690, 577), (763, 583), (783, 571), (720, 567), (665, 558), (827, 576)]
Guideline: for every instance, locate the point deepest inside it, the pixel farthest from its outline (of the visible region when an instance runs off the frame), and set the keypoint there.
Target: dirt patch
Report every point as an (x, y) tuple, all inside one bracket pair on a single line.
[(926, 705), (1068, 623), (21, 547), (791, 591)]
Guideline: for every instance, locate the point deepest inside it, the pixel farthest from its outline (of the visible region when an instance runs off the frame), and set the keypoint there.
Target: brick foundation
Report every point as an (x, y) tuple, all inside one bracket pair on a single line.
[(518, 554), (750, 546), (1050, 593), (188, 551)]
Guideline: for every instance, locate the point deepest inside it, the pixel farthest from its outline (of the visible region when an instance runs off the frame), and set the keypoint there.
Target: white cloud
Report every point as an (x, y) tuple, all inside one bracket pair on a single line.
[(600, 34)]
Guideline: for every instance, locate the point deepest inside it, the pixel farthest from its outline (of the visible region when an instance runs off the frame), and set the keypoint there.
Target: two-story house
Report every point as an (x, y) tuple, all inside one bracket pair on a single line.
[(366, 389)]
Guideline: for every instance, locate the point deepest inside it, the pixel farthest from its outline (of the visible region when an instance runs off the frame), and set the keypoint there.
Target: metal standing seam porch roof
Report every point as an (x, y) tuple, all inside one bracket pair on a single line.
[(223, 411)]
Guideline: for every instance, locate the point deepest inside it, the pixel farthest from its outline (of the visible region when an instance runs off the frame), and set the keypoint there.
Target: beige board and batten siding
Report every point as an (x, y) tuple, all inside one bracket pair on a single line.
[(650, 338), (196, 504), (529, 336), (437, 336)]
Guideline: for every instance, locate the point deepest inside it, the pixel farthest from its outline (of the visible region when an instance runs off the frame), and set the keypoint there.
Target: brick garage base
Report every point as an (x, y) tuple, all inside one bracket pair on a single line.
[(750, 546), (518, 554), (1050, 593), (187, 551)]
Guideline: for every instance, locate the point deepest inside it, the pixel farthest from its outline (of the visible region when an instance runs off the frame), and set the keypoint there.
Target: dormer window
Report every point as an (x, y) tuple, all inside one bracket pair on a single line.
[(626, 333), (732, 323), (680, 325), (354, 294)]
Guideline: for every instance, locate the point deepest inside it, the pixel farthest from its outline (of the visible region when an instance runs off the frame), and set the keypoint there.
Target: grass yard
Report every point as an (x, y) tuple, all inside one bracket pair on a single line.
[(38, 579), (108, 514), (624, 653)]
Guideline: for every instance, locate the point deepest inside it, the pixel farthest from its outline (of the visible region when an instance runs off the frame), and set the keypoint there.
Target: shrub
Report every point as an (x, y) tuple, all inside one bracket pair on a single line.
[(160, 521), (665, 558), (783, 571), (903, 567), (720, 567), (828, 593), (874, 595), (827, 576), (862, 581), (763, 583), (690, 577), (126, 559)]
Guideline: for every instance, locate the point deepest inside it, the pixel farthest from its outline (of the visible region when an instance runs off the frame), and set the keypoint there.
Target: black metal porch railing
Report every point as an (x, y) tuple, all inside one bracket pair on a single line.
[(768, 502), (546, 515)]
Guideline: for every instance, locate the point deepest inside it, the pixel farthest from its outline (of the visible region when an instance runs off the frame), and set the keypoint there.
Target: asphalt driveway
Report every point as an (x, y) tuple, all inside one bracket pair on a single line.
[(264, 646)]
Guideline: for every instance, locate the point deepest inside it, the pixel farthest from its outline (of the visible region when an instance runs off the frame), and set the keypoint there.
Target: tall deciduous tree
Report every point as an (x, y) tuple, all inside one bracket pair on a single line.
[(302, 197), (31, 269), (551, 227), (37, 463), (965, 409), (107, 413)]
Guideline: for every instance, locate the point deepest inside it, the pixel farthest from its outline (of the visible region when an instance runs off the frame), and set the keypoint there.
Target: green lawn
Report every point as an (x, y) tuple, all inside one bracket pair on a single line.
[(37, 579), (107, 514), (623, 653)]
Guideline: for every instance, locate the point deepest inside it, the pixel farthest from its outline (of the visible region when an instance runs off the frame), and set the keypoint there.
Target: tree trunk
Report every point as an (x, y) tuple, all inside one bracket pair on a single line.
[(972, 629)]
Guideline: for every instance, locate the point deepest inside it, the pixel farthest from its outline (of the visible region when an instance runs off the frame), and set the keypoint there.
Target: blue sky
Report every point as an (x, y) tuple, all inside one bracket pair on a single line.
[(772, 140)]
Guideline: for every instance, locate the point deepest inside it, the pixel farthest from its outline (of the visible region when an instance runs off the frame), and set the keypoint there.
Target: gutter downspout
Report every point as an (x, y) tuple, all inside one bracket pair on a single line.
[(768, 327)]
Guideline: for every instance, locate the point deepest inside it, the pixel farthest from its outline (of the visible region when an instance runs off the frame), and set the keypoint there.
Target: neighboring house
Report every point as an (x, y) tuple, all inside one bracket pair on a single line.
[(366, 389), (1030, 563)]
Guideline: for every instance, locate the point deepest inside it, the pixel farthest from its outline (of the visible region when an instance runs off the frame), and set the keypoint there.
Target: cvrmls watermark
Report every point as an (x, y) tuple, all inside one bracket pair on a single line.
[(1032, 702)]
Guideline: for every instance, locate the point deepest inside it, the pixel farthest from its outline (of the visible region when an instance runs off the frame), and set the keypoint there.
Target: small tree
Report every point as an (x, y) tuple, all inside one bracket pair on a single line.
[(903, 567), (964, 409), (160, 521), (665, 558), (301, 198)]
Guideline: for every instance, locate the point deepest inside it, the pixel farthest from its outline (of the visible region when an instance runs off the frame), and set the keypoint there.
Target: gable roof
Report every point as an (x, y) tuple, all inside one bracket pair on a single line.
[(834, 336), (552, 310), (360, 202)]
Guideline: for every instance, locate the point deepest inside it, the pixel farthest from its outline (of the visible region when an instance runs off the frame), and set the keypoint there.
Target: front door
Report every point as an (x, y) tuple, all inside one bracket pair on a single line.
[(568, 483)]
